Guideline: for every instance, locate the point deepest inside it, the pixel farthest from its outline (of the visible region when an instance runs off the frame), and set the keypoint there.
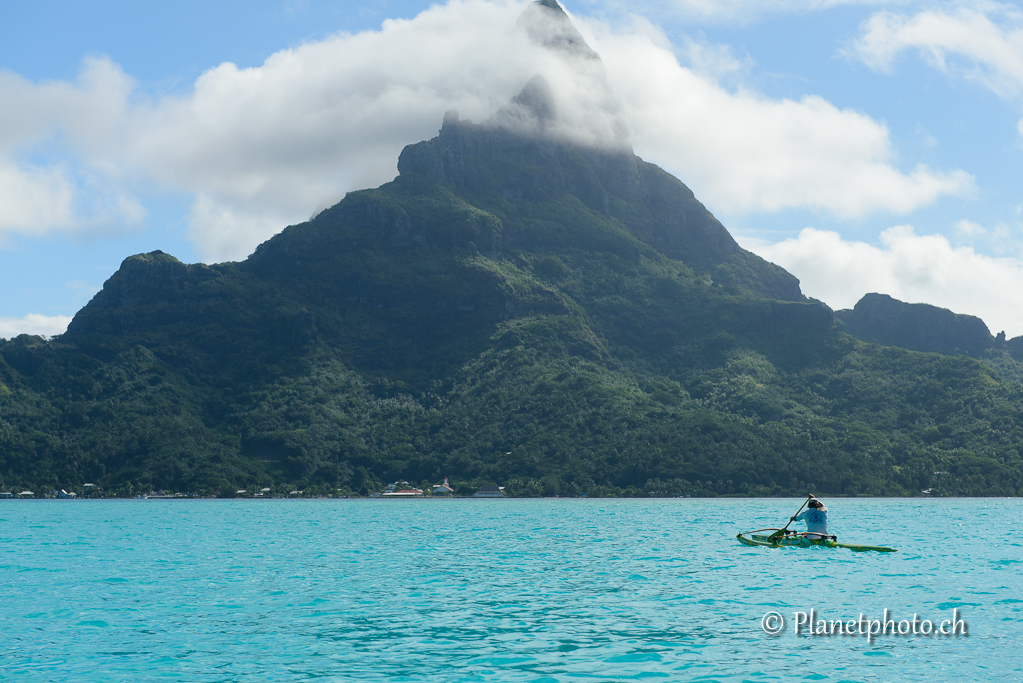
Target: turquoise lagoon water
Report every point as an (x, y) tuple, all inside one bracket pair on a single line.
[(498, 590)]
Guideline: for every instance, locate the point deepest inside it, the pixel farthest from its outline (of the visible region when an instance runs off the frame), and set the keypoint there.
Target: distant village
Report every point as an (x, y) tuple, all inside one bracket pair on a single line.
[(402, 489), (398, 489), (548, 487)]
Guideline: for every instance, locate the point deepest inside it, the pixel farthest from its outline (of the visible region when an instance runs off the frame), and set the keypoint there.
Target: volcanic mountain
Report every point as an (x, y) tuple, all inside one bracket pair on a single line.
[(515, 307)]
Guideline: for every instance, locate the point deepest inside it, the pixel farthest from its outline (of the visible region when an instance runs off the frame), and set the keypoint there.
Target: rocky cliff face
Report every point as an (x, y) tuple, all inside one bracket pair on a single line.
[(490, 160), (143, 284), (527, 154), (880, 319), (156, 277)]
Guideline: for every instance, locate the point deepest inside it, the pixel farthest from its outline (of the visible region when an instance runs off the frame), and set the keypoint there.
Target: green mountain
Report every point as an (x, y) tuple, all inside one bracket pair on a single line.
[(513, 309), (919, 327)]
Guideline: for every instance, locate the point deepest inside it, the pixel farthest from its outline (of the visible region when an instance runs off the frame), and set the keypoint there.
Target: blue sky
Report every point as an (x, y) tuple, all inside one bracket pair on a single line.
[(863, 145)]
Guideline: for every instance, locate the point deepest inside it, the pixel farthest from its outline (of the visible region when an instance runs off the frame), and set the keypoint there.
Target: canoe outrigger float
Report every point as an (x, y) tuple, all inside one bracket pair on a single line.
[(783, 538), (792, 539)]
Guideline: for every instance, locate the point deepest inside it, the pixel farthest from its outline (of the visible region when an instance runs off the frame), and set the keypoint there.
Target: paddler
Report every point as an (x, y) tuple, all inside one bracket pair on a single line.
[(816, 517)]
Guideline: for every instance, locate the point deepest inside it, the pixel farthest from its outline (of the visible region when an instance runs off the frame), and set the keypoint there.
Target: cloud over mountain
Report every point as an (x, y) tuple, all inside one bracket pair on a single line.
[(259, 148)]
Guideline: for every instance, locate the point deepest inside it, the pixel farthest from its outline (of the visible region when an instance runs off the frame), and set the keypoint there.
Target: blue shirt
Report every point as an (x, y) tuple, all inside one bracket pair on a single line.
[(816, 520)]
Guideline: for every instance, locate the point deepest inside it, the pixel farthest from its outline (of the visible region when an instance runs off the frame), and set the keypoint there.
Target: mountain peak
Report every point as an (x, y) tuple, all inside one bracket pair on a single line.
[(550, 4), (881, 319), (548, 25), (531, 111), (537, 98), (509, 165)]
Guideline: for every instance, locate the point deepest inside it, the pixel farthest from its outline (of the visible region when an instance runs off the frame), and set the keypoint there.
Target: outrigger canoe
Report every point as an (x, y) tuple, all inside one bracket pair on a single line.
[(791, 539)]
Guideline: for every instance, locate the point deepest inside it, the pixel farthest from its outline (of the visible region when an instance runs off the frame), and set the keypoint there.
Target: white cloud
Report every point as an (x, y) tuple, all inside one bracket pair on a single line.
[(34, 323), (969, 228), (33, 199), (983, 43), (259, 148), (266, 146), (711, 60), (909, 267), (81, 191), (88, 111), (229, 230), (743, 152)]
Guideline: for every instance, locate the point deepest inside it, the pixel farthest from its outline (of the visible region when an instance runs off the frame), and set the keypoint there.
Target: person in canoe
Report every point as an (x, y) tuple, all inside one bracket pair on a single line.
[(816, 517)]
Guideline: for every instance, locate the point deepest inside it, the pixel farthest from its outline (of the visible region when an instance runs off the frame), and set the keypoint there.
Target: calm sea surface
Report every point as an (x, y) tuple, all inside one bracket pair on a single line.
[(498, 590)]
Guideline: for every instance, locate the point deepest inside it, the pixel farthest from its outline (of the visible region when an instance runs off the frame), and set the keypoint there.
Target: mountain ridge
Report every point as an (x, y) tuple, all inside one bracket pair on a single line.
[(432, 325), (918, 327), (515, 307)]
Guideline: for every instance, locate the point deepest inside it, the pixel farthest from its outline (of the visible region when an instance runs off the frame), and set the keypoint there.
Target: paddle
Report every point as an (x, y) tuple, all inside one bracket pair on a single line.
[(781, 532)]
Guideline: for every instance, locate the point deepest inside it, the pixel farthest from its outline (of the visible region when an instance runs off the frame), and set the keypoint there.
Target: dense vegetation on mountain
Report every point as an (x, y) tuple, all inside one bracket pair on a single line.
[(511, 309)]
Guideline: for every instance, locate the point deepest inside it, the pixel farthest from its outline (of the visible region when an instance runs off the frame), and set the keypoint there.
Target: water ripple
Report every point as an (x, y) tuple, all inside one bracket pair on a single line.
[(518, 590)]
